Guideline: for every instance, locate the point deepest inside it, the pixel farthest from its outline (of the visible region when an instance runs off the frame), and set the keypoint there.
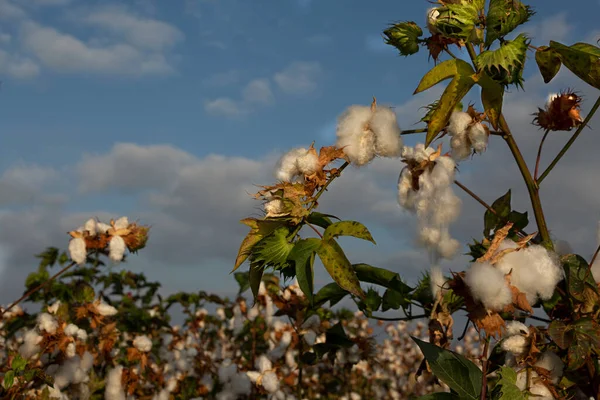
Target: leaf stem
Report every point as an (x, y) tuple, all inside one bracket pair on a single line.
[(595, 256), (539, 156), (411, 131), (484, 367), (399, 318), (37, 288), (570, 142), (471, 51), (315, 229)]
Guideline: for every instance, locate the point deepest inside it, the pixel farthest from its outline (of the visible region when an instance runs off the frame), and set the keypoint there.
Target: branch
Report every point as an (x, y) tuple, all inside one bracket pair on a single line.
[(570, 142), (399, 318), (539, 156), (595, 255), (411, 131), (484, 367), (37, 288)]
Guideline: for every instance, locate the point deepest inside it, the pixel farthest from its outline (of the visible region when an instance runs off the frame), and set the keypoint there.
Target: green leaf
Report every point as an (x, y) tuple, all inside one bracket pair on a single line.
[(505, 64), (18, 363), (336, 336), (578, 276), (319, 219), (506, 387), (456, 371), (492, 96), (582, 59), (458, 21), (331, 292), (458, 87), (242, 280), (347, 228), (9, 378), (303, 256), (373, 300), (548, 62), (337, 265), (444, 70), (273, 250), (254, 277), (392, 299), (404, 36), (503, 17), (381, 277), (48, 258), (493, 221), (259, 230), (560, 333)]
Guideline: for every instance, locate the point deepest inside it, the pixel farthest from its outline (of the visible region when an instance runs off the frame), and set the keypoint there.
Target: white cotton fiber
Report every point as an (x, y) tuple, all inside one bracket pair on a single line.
[(487, 285), (387, 132)]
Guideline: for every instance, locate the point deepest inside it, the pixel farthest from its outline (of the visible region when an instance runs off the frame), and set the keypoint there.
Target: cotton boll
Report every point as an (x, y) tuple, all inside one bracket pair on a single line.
[(540, 391), (552, 363), (122, 223), (405, 190), (270, 382), (487, 285), (458, 123), (116, 248), (287, 166), (77, 250), (353, 121), (429, 235), (432, 16), (308, 163), (263, 364), (30, 345), (516, 345), (354, 135), (226, 371), (274, 208), (143, 343), (387, 132), (101, 227), (443, 172), (82, 335), (105, 310), (478, 137), (53, 309), (436, 280), (47, 322), (516, 328), (71, 330), (114, 389), (461, 149), (445, 206), (70, 351)]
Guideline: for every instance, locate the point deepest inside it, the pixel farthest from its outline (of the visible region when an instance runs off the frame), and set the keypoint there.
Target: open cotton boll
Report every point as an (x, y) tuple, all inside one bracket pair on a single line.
[(516, 328), (354, 135), (516, 345), (77, 250), (459, 123), (359, 149), (287, 166), (274, 208), (116, 248), (429, 235), (308, 163), (406, 194), (487, 285), (436, 281), (114, 389), (478, 137), (387, 132), (47, 322), (443, 172), (552, 363), (263, 364), (445, 206), (432, 16), (105, 310), (447, 246), (101, 227), (30, 346), (122, 223), (143, 343), (270, 382), (461, 149), (90, 226)]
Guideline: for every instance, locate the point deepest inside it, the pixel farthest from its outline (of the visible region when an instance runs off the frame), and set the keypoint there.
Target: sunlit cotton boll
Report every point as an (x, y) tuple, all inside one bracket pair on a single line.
[(552, 363), (116, 248), (287, 167), (432, 16), (447, 247), (479, 137), (114, 389), (436, 280), (458, 123), (105, 310), (270, 382), (354, 135), (487, 285), (143, 343), (47, 322), (387, 132), (308, 163), (77, 250)]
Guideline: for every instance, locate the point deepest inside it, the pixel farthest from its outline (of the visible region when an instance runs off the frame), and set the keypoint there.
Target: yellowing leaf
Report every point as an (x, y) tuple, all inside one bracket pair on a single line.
[(492, 95), (348, 228), (582, 59), (337, 265), (260, 229)]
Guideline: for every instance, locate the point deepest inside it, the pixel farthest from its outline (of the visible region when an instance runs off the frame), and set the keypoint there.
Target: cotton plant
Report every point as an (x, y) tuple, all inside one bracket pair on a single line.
[(467, 134)]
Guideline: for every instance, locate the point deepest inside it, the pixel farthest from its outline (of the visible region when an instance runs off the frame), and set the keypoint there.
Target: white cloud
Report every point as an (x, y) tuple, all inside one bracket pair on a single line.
[(66, 53), (5, 38), (27, 184), (299, 77), (255, 94), (224, 78), (258, 92), (9, 11), (555, 28), (224, 106), (139, 31), (17, 66)]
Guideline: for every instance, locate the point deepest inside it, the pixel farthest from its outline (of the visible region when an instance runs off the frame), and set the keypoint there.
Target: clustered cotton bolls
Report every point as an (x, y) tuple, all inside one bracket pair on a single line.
[(366, 132), (534, 270), (265, 376), (117, 237), (467, 135), (425, 188), (297, 163)]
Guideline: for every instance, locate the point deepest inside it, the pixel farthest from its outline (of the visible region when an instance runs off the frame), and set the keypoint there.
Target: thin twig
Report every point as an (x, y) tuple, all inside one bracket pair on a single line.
[(315, 229), (399, 318), (595, 255), (38, 287), (539, 156), (570, 142), (411, 131), (538, 318)]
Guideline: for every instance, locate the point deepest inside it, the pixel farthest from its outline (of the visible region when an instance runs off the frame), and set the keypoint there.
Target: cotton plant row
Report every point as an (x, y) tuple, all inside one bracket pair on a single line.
[(77, 351)]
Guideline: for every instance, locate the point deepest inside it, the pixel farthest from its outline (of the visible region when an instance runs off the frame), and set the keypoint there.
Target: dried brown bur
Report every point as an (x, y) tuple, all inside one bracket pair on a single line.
[(418, 168), (135, 237), (485, 319), (561, 113)]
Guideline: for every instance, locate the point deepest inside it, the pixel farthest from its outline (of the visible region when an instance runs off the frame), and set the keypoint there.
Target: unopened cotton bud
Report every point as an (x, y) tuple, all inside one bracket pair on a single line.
[(77, 250), (116, 248), (432, 16)]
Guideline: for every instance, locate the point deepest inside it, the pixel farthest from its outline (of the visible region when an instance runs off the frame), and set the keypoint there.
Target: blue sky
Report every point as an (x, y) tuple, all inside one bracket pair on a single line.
[(170, 111)]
